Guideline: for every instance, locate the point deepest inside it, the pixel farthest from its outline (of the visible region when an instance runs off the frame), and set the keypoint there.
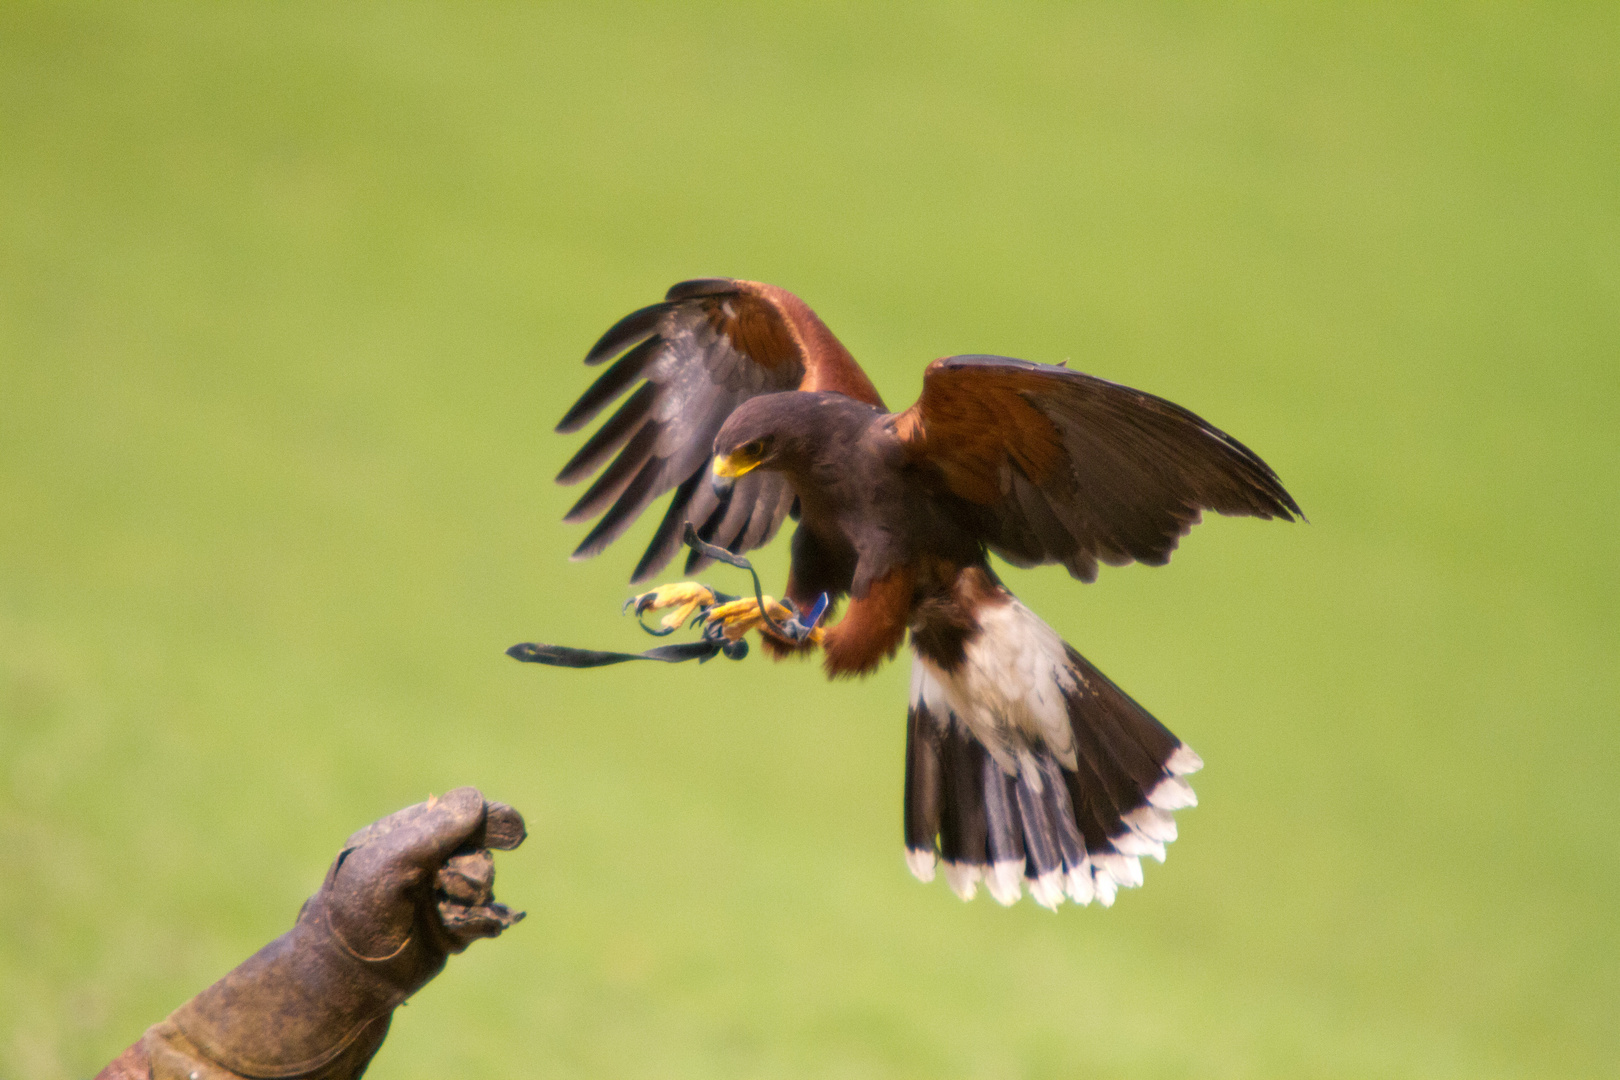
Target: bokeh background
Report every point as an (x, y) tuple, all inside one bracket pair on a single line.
[(292, 294)]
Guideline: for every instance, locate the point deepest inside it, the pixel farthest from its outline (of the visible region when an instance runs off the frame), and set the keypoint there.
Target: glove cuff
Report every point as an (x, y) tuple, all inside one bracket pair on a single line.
[(298, 1006)]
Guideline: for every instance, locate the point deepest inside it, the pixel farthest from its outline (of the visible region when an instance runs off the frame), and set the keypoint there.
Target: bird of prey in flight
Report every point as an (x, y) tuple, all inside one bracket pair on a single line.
[(1024, 763)]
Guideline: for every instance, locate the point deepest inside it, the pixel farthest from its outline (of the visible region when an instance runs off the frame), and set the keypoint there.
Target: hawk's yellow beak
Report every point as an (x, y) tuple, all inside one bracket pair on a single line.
[(731, 466)]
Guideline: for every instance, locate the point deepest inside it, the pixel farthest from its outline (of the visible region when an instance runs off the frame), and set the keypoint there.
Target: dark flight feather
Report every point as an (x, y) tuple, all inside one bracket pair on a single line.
[(612, 382), (627, 331), (923, 791), (617, 476), (667, 539), (637, 494), (610, 436)]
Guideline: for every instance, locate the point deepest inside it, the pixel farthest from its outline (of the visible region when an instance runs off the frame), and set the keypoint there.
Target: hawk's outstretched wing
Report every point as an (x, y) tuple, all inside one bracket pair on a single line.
[(708, 347), (1067, 468)]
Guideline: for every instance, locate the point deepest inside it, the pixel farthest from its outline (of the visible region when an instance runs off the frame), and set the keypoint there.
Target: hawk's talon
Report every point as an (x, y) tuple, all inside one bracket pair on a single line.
[(684, 597)]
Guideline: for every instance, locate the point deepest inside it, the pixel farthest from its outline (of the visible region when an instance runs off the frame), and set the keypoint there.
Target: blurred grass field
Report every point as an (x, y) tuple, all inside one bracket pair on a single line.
[(291, 296)]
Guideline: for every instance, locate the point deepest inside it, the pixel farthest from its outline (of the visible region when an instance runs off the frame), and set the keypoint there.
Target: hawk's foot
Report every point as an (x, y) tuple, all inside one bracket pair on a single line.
[(683, 599), (733, 620)]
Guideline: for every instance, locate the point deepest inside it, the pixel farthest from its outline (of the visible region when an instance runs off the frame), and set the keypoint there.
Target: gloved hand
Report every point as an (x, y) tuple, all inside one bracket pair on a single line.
[(315, 1003)]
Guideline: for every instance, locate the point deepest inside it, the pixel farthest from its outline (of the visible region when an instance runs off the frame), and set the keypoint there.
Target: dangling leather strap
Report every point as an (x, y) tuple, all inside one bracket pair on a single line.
[(562, 656)]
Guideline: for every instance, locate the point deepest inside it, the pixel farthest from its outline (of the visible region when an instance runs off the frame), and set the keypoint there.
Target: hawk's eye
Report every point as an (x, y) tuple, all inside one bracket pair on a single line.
[(755, 449)]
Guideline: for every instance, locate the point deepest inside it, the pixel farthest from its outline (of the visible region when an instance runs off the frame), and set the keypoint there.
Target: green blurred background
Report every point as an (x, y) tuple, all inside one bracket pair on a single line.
[(291, 296)]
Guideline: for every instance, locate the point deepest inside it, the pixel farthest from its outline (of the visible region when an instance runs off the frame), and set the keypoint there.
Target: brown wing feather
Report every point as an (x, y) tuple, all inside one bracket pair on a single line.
[(1058, 466), (709, 346)]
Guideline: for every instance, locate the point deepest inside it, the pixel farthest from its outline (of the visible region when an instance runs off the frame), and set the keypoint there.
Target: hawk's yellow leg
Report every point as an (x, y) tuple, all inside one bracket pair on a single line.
[(741, 616)]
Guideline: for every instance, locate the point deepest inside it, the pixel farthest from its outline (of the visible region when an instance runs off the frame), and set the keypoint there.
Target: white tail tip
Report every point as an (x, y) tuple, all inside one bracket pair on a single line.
[(921, 864)]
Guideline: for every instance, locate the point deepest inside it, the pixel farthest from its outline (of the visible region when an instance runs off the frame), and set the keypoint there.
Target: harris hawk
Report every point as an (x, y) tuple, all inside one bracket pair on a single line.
[(1024, 763)]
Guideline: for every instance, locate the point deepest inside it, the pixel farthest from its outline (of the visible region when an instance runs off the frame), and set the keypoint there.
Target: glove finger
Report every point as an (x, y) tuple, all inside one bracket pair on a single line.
[(467, 879), (464, 925), (428, 837), (503, 827)]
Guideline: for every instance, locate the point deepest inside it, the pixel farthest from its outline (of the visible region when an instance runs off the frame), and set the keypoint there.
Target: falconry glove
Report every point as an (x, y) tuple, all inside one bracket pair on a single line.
[(314, 1004)]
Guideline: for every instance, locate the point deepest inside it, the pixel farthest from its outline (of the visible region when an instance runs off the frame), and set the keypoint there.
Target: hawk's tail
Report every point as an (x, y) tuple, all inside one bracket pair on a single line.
[(1072, 811)]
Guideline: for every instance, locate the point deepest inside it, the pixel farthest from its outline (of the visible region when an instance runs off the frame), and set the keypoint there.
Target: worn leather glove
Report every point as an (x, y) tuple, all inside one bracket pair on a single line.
[(315, 1003)]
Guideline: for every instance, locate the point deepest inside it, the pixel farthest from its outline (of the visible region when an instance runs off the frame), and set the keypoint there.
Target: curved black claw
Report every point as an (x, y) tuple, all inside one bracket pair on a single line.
[(642, 603)]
